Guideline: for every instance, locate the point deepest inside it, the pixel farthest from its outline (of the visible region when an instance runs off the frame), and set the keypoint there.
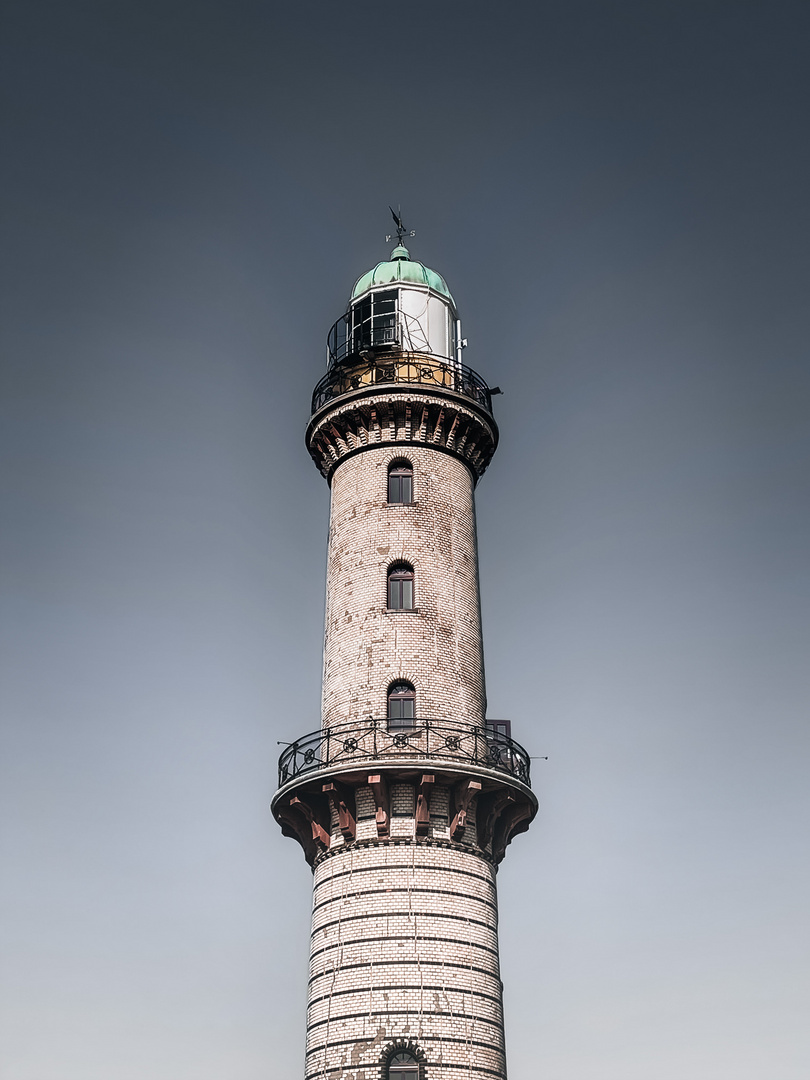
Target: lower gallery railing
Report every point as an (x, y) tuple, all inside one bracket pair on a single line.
[(406, 741)]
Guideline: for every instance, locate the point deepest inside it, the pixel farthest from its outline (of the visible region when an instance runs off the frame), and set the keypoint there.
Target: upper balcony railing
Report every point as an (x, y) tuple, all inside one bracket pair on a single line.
[(352, 745), (377, 370)]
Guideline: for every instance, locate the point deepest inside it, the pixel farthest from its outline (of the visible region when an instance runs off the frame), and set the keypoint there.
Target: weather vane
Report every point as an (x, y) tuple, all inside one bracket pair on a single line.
[(401, 230)]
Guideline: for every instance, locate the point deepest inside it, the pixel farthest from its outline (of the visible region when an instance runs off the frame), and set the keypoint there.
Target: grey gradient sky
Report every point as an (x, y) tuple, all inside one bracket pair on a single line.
[(617, 194)]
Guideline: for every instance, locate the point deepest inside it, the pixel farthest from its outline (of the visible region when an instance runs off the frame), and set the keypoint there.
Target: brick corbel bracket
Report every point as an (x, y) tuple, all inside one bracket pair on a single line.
[(341, 799), (514, 820), (382, 416), (423, 805), (501, 815), (462, 795), (308, 822), (379, 789), (296, 825), (490, 807)]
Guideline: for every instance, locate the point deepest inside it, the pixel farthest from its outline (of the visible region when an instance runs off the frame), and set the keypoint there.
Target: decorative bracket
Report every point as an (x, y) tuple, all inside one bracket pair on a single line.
[(316, 817), (379, 789), (514, 820), (490, 809), (462, 794), (293, 824), (423, 805), (342, 800)]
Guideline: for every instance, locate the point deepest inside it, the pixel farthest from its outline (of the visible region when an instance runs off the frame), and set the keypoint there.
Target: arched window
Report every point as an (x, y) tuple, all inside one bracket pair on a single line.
[(400, 587), (400, 482), (401, 705), (403, 1066)]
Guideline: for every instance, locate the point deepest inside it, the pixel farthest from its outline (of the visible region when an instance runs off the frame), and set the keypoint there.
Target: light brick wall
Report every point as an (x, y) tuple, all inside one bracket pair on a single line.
[(404, 948), (437, 647)]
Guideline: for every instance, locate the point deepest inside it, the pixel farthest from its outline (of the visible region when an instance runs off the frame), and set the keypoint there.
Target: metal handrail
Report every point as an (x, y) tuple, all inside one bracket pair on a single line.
[(401, 368), (370, 740)]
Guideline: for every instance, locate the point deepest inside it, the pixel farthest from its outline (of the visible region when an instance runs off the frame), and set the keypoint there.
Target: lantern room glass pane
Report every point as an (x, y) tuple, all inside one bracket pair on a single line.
[(374, 320), (384, 309)]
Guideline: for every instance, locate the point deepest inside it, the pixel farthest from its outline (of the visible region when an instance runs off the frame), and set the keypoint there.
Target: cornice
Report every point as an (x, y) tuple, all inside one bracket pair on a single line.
[(401, 415)]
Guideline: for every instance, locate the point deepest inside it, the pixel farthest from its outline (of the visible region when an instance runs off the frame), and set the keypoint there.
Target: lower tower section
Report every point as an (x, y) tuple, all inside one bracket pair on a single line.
[(404, 957)]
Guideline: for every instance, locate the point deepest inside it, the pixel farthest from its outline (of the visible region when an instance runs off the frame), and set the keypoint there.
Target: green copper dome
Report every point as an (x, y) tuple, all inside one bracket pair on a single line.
[(401, 268)]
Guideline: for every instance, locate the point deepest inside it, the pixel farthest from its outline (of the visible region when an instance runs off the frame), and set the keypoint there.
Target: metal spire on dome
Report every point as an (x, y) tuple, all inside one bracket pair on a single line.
[(401, 230)]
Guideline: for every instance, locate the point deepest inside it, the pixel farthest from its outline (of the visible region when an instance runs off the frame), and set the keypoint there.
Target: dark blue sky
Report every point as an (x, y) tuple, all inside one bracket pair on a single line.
[(617, 196)]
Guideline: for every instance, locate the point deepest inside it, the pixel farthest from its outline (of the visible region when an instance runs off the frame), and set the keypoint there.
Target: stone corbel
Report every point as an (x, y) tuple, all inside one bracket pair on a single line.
[(423, 805), (342, 800), (514, 820), (317, 816), (296, 825), (437, 431), (490, 808), (379, 789), (451, 434), (462, 795)]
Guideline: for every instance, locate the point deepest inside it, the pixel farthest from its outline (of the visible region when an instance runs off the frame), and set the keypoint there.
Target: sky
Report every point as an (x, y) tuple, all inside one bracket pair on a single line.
[(617, 195)]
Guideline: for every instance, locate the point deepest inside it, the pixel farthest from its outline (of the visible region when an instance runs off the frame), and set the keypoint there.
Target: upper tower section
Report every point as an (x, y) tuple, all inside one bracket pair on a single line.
[(395, 375)]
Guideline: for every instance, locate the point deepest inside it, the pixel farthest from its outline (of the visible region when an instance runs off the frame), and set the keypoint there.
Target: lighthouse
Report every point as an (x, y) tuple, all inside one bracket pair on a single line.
[(406, 796)]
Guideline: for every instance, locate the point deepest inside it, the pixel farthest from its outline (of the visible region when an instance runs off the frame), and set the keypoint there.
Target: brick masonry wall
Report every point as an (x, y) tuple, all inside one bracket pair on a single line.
[(437, 647), (404, 949)]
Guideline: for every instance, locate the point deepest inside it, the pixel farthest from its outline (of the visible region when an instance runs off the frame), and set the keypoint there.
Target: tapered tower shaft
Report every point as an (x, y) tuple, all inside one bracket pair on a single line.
[(406, 797)]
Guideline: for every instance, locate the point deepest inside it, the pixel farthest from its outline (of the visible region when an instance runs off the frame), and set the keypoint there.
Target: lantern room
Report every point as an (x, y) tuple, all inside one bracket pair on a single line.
[(401, 306)]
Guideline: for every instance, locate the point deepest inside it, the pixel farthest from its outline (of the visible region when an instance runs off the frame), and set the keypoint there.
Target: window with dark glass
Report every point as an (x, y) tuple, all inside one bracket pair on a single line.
[(400, 588), (403, 1066), (400, 482), (401, 705), (374, 320), (499, 737)]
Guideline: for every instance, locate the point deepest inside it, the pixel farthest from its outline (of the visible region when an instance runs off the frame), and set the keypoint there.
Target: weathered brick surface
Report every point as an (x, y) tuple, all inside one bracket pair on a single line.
[(438, 646)]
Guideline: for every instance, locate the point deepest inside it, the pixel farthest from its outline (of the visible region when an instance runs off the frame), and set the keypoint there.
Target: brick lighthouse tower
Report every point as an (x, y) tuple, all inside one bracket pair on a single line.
[(406, 796)]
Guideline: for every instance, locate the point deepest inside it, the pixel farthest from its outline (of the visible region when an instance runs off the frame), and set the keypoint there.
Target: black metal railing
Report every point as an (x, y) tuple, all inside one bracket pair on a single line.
[(344, 341), (402, 368), (370, 740)]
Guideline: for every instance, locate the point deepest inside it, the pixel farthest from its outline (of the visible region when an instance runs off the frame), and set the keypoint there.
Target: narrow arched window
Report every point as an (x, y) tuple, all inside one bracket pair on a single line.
[(401, 705), (403, 1066), (400, 587), (400, 482)]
